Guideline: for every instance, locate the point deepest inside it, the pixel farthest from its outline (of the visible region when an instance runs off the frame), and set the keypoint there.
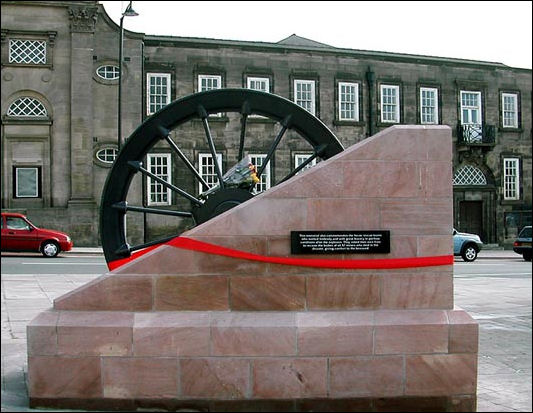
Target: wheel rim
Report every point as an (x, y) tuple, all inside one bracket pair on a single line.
[(158, 128), (50, 250), (470, 253)]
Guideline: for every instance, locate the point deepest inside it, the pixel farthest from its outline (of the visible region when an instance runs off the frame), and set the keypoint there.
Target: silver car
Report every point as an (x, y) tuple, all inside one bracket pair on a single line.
[(466, 245)]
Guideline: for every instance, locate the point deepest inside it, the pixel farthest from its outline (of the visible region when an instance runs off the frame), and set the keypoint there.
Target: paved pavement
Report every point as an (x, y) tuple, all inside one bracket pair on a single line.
[(501, 305)]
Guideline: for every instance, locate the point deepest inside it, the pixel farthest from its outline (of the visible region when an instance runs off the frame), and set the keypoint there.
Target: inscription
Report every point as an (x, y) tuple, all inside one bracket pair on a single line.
[(340, 242)]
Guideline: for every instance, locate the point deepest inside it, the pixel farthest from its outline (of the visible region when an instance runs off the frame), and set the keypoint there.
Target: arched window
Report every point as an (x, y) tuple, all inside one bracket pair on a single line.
[(469, 175), (108, 72), (27, 106)]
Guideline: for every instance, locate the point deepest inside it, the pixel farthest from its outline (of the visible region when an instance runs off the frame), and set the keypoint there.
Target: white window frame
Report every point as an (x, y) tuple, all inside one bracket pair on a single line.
[(395, 105), (107, 155), (17, 180), (216, 78), (167, 96), (265, 178), (21, 56), (109, 72), (264, 80), (27, 106), (354, 102), (168, 178), (212, 179), (300, 158), (470, 109), (514, 111), (511, 179), (434, 109), (302, 101)]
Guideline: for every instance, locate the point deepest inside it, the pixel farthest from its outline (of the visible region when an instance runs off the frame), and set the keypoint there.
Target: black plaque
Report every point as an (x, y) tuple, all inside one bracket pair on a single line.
[(340, 242)]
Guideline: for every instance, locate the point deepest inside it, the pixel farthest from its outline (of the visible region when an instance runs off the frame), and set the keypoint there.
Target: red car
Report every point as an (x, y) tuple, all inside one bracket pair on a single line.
[(19, 234)]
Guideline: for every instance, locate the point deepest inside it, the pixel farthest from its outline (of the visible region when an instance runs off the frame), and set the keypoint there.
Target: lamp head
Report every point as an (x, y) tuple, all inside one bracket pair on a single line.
[(129, 11)]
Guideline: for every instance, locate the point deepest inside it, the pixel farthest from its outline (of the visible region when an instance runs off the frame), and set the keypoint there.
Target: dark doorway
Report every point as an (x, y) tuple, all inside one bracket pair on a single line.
[(471, 217)]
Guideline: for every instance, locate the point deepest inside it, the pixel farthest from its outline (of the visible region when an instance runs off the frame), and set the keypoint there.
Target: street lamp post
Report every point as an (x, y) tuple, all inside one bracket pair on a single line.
[(128, 12)]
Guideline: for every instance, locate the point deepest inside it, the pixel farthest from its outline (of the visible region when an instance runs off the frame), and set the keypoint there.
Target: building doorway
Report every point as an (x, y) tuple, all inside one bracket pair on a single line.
[(471, 218)]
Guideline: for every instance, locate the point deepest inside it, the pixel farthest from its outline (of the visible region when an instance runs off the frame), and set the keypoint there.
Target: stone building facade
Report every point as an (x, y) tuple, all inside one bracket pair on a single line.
[(59, 115)]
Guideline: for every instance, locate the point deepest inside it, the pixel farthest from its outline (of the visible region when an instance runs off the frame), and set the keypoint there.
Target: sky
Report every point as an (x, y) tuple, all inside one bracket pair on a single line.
[(491, 31)]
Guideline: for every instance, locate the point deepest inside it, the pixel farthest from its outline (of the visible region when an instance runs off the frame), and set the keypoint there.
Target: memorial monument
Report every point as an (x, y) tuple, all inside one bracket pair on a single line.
[(332, 291)]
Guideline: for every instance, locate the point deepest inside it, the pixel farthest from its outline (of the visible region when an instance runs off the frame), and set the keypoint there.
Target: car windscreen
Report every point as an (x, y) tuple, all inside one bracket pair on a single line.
[(525, 233)]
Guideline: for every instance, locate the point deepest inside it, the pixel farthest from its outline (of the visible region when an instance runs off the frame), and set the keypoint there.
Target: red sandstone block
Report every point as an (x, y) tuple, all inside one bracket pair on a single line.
[(171, 334), (64, 377), (339, 292), (435, 245), (366, 377), (179, 293), (342, 214), (417, 218), (440, 374), (410, 317), (278, 293), (439, 144), (213, 378), (335, 341), (429, 290), (411, 339), (437, 179), (396, 179), (464, 332), (126, 377), (42, 335), (289, 378), (110, 292)]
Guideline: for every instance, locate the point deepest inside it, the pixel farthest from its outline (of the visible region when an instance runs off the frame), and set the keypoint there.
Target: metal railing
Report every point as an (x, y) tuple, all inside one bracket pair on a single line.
[(476, 134)]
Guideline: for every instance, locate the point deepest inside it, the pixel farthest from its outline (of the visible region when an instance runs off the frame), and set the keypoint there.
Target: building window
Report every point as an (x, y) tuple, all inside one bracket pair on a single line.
[(304, 94), (27, 106), (264, 182), (159, 165), (108, 72), (390, 104), (207, 169), (429, 106), (107, 155), (469, 175), (510, 110), (32, 52), (470, 108), (301, 158), (158, 91), (209, 82), (511, 179), (258, 83), (349, 101), (27, 182)]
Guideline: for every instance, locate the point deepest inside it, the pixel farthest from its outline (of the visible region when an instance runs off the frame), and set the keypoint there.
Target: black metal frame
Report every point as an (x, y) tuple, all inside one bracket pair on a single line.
[(114, 207)]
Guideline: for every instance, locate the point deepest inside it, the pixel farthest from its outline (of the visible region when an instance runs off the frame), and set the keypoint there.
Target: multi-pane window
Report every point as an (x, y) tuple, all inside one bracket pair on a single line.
[(258, 83), (510, 110), (348, 101), (207, 170), (27, 182), (470, 108), (159, 165), (209, 82), (390, 104), (511, 178), (301, 158), (264, 183), (429, 105), (304, 94), (157, 91), (108, 72), (31, 52), (107, 155), (27, 106)]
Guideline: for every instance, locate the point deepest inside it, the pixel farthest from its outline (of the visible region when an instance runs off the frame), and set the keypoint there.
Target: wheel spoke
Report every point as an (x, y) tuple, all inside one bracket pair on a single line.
[(285, 125), (245, 113), (203, 114), (125, 250), (124, 207), (138, 167), (186, 161), (319, 152)]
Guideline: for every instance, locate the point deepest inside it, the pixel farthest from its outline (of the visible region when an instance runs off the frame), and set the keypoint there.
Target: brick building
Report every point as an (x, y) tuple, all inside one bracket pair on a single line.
[(59, 115)]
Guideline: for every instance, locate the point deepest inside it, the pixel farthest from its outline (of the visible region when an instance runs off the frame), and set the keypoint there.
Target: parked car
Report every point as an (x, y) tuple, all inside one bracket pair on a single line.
[(19, 234), (466, 245), (522, 245)]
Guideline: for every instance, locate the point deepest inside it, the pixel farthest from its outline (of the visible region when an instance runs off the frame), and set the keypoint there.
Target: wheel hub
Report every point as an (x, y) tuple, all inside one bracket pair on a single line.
[(219, 202)]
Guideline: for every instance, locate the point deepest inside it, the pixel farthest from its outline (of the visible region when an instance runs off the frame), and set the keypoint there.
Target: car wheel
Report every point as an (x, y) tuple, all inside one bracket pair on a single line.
[(50, 249), (469, 253), (527, 256)]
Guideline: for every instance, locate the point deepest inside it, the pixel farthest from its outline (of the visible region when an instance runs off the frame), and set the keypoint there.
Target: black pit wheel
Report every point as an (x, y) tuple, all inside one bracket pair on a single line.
[(199, 107)]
